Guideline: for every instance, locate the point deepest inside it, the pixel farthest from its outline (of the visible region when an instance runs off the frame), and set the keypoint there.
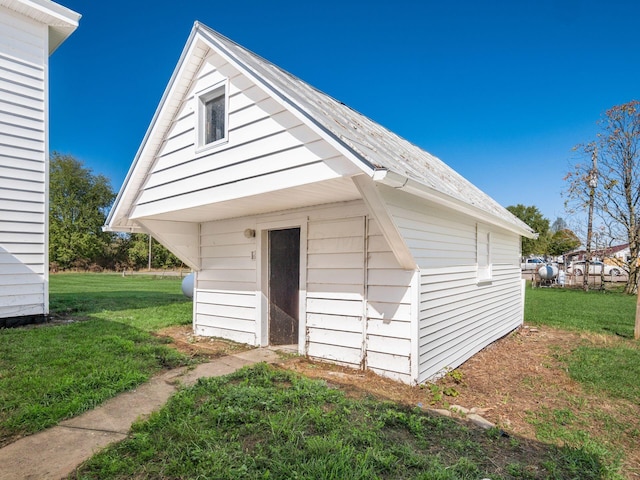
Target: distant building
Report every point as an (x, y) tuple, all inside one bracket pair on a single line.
[(621, 253)]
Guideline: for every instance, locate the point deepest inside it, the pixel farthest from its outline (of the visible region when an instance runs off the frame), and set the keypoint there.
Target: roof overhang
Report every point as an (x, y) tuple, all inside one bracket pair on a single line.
[(401, 182), (61, 21)]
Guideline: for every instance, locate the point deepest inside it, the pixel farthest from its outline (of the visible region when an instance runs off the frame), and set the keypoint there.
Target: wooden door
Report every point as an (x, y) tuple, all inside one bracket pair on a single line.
[(284, 286)]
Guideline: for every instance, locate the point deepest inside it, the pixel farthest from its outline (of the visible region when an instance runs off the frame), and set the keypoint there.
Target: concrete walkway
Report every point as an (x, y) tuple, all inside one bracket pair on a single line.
[(55, 453)]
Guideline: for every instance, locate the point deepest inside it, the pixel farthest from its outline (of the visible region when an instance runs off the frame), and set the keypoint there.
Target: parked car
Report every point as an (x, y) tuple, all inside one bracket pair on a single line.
[(595, 268), (532, 264)]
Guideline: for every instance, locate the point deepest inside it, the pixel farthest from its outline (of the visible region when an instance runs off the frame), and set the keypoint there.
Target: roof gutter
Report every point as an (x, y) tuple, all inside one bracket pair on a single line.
[(401, 182)]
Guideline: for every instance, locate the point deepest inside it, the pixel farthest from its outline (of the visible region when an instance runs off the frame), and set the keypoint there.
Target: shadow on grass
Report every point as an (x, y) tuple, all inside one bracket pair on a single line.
[(86, 303)]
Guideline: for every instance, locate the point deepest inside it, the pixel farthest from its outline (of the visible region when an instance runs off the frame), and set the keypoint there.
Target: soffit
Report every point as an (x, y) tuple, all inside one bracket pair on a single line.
[(331, 191)]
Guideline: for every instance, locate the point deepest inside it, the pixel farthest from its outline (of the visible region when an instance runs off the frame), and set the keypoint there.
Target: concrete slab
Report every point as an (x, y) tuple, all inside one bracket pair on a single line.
[(118, 413), (52, 454), (216, 368), (258, 355)]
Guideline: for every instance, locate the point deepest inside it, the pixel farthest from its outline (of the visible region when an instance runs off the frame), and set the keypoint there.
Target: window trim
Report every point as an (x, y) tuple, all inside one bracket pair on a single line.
[(202, 97), (484, 272)]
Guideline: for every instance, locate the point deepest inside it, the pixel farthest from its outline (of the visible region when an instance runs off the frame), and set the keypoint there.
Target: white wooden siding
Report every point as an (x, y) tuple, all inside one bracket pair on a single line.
[(225, 290), (335, 289), (267, 149), (346, 321), (458, 314), (352, 275), (388, 341), (457, 319), (23, 250)]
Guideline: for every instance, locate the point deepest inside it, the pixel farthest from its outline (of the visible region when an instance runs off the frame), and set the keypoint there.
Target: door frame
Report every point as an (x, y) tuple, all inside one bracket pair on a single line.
[(262, 251)]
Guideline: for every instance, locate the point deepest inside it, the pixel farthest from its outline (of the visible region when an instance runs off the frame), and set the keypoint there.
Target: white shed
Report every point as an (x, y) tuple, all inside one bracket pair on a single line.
[(308, 224), (30, 30)]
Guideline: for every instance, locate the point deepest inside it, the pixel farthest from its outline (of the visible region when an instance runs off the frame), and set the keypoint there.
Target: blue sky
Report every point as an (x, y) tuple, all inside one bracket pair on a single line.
[(499, 90)]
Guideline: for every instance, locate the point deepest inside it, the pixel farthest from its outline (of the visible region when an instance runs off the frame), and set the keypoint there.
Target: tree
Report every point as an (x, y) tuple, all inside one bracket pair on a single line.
[(138, 253), (78, 205), (616, 181), (563, 241), (534, 218)]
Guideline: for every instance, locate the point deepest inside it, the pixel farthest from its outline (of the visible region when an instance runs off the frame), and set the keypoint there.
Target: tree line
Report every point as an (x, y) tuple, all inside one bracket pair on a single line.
[(79, 202), (554, 239)]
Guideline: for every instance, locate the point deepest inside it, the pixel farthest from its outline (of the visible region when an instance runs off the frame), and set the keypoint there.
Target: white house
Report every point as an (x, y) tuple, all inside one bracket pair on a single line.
[(309, 224), (30, 30)]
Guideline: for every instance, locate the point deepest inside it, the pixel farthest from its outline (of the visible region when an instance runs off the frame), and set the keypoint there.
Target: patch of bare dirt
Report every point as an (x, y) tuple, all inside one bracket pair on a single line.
[(510, 382), (184, 340)]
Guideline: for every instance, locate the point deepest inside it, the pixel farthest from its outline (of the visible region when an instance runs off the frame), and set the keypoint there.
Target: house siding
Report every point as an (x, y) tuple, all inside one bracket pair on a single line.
[(389, 310), (335, 289), (357, 298), (458, 315), (23, 167), (267, 148), (225, 295)]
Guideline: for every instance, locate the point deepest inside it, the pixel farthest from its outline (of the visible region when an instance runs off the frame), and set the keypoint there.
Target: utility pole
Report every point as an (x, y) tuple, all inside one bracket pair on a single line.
[(592, 181)]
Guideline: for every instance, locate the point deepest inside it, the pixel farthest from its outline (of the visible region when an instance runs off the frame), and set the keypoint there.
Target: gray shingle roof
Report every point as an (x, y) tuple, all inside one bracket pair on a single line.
[(376, 146)]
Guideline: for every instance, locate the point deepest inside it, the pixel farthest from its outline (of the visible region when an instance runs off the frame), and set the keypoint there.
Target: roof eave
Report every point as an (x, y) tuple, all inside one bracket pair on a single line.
[(112, 222), (61, 20), (409, 185)]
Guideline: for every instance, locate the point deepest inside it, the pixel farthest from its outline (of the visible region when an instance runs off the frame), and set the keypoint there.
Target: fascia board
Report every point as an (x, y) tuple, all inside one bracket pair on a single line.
[(296, 109), (125, 197), (409, 185), (62, 21)]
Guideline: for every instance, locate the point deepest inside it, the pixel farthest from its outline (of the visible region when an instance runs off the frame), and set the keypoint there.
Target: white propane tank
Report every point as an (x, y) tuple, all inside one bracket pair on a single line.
[(548, 272), (187, 285)]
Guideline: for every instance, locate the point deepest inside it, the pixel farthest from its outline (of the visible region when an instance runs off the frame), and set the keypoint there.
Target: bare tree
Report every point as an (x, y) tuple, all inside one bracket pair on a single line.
[(617, 193)]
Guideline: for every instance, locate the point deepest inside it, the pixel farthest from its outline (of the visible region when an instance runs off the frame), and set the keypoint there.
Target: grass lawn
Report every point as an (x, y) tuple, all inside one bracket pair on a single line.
[(611, 362), (266, 423), (142, 301), (570, 309), (55, 372), (263, 422), (606, 364)]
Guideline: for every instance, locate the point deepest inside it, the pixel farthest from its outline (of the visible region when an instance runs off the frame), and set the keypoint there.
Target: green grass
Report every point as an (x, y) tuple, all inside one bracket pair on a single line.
[(593, 311), (261, 422), (142, 301), (612, 368), (603, 421), (55, 372), (264, 423)]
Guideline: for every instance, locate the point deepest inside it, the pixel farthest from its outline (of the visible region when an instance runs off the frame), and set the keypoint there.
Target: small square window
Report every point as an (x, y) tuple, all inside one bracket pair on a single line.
[(212, 116)]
